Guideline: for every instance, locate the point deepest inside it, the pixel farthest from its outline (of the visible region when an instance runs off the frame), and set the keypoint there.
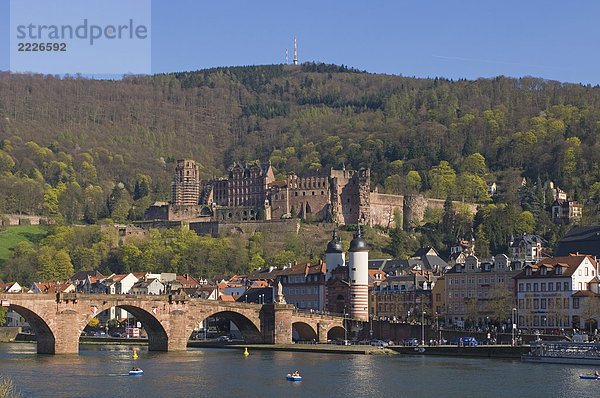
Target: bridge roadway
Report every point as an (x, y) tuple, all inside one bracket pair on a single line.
[(58, 319)]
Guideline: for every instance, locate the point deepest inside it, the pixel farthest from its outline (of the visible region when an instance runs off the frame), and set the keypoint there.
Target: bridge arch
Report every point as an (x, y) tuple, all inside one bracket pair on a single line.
[(158, 340), (305, 331), (248, 327), (336, 332), (43, 333)]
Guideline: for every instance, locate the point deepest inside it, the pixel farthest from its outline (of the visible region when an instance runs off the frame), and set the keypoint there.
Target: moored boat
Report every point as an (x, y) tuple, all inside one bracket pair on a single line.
[(564, 352), (136, 372), (590, 377)]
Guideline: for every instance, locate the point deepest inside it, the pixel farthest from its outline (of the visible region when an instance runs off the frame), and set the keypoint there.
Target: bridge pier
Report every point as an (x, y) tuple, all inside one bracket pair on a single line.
[(322, 332), (276, 323)]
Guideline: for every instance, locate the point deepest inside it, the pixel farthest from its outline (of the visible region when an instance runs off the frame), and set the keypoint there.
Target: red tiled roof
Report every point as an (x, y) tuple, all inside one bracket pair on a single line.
[(226, 297), (585, 293), (305, 269), (188, 281)]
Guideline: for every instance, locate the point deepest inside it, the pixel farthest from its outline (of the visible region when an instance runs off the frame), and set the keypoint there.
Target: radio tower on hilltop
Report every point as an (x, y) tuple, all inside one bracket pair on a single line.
[(295, 52), (286, 57)]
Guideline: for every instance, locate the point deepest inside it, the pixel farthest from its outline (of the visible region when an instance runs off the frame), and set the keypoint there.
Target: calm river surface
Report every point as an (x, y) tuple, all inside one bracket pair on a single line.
[(101, 371)]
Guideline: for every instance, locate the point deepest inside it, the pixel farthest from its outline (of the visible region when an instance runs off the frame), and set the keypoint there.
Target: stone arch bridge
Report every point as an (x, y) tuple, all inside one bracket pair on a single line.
[(169, 320)]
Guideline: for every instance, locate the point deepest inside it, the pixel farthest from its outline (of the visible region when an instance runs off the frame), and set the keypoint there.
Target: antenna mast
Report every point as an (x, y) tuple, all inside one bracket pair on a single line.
[(295, 52)]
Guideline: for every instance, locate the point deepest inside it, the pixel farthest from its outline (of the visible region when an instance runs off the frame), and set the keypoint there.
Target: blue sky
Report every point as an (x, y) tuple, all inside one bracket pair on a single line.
[(455, 39)]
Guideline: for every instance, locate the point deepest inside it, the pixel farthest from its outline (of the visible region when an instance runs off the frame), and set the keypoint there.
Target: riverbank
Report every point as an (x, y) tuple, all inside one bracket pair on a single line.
[(322, 348), (481, 351)]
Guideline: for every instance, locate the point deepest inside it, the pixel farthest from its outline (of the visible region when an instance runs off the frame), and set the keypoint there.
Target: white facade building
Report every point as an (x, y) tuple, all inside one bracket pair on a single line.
[(558, 293)]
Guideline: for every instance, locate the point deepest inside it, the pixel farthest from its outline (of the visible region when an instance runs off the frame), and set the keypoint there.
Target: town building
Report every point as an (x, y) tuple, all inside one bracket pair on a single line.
[(565, 211), (148, 286), (304, 285), (403, 296), (559, 293), (527, 247), (472, 285), (438, 297)]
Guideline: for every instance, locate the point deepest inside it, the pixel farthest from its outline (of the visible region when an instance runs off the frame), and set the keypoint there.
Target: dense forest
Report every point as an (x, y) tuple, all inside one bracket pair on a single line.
[(83, 151)]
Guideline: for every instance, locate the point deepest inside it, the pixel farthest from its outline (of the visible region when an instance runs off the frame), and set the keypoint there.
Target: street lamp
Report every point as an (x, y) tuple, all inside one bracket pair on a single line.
[(423, 327), (345, 327), (513, 325), (437, 327)]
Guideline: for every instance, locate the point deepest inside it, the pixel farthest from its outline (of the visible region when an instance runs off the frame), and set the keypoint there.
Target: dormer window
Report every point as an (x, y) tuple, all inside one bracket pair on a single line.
[(558, 270), (543, 271), (528, 271)]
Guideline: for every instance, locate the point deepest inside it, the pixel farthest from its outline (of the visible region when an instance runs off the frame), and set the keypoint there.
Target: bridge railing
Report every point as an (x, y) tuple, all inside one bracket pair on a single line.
[(316, 312)]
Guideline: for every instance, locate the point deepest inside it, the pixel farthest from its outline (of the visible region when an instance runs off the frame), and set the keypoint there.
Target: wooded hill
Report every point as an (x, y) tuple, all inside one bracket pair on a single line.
[(307, 118)]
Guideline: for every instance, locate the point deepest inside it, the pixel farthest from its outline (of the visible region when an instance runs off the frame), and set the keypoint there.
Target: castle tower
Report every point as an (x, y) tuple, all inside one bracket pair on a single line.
[(334, 255), (358, 273), (185, 188)]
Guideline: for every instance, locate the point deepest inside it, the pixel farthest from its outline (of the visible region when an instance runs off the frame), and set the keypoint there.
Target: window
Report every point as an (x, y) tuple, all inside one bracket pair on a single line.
[(575, 303), (557, 286), (520, 287), (566, 301), (536, 304), (535, 287), (586, 271), (528, 286), (521, 302), (543, 304), (543, 286)]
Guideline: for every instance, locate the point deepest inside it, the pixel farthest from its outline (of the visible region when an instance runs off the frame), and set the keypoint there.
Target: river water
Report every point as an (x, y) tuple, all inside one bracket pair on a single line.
[(101, 371)]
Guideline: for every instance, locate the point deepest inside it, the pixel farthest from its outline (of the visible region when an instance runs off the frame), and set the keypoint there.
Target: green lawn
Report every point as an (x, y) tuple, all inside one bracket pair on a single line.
[(16, 234)]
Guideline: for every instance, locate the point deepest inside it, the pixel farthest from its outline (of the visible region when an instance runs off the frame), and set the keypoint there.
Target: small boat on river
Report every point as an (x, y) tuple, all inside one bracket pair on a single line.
[(590, 377), (136, 372), (564, 352), (294, 376)]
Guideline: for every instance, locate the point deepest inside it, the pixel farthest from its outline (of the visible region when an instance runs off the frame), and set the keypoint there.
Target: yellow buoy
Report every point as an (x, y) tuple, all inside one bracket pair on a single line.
[(135, 355), (246, 353)]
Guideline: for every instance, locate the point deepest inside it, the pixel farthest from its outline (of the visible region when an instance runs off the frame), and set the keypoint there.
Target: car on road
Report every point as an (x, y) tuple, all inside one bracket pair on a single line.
[(224, 339), (465, 341), (379, 343), (413, 341)]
